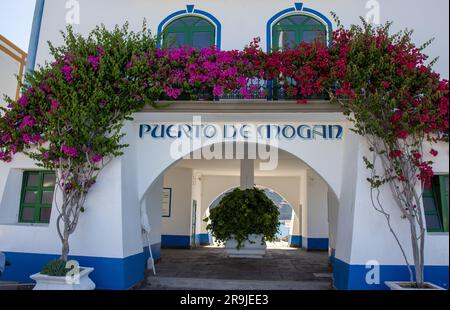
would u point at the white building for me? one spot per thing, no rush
(320, 170)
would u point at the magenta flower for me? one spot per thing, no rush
(70, 151)
(54, 105)
(218, 90)
(28, 121)
(94, 61)
(434, 152)
(67, 72)
(96, 158)
(23, 101)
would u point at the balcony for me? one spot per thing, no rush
(260, 97)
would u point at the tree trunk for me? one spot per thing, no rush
(65, 246)
(418, 263)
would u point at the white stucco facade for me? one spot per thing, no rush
(324, 180)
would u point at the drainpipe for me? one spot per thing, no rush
(35, 33)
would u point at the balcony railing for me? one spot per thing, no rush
(255, 90)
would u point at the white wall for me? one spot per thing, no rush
(367, 234)
(179, 222)
(99, 232)
(316, 211)
(244, 20)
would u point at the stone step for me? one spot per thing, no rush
(155, 283)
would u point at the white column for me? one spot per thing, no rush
(247, 174)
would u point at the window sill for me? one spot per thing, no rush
(438, 234)
(25, 225)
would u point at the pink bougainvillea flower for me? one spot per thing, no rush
(67, 72)
(434, 152)
(218, 90)
(97, 158)
(23, 101)
(70, 151)
(402, 134)
(396, 154)
(94, 61)
(28, 121)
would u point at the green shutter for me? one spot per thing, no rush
(435, 201)
(36, 197)
(191, 31)
(443, 187)
(296, 29)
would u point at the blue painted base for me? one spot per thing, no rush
(156, 251)
(317, 244)
(295, 241)
(175, 242)
(204, 239)
(109, 273)
(353, 277)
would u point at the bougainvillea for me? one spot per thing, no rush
(400, 105)
(71, 112)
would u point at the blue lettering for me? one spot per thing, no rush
(301, 132)
(289, 135)
(158, 135)
(143, 129)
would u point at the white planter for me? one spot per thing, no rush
(253, 249)
(45, 282)
(398, 286)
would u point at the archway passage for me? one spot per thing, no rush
(191, 186)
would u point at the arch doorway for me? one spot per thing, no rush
(192, 186)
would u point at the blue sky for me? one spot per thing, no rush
(16, 17)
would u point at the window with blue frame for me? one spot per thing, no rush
(290, 31)
(435, 201)
(189, 31)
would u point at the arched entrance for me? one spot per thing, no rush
(187, 188)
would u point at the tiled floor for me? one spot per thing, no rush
(279, 267)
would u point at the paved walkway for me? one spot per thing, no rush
(210, 268)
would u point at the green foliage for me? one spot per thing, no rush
(56, 268)
(242, 213)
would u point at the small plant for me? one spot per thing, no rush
(242, 213)
(56, 268)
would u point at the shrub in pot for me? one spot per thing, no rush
(244, 221)
(61, 275)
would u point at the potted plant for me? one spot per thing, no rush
(244, 220)
(60, 275)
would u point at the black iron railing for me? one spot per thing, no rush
(255, 90)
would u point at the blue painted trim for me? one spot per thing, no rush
(216, 22)
(298, 7)
(156, 251)
(204, 239)
(109, 273)
(315, 243)
(269, 26)
(35, 34)
(190, 9)
(295, 241)
(352, 277)
(175, 242)
(164, 21)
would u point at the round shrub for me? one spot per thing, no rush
(242, 213)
